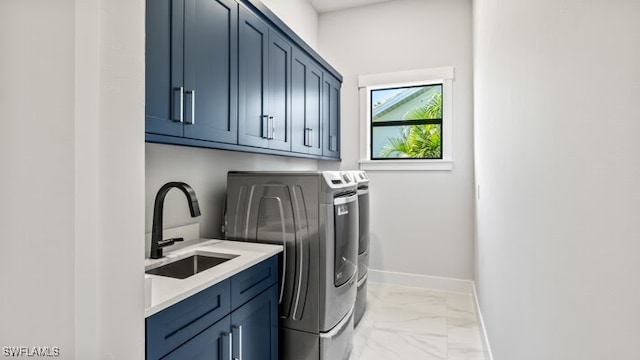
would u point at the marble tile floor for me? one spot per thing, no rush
(417, 324)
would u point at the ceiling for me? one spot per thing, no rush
(323, 6)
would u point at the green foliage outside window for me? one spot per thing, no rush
(418, 141)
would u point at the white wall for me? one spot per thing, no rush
(299, 15)
(557, 85)
(37, 174)
(72, 177)
(421, 222)
(120, 179)
(206, 169)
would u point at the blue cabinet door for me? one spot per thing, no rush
(314, 109)
(264, 85)
(253, 120)
(255, 327)
(164, 77)
(191, 69)
(306, 113)
(298, 109)
(331, 116)
(212, 344)
(279, 92)
(177, 324)
(210, 70)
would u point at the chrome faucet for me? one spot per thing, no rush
(157, 243)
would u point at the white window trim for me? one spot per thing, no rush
(441, 75)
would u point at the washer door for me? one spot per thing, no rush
(363, 209)
(345, 220)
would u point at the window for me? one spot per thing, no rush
(406, 120)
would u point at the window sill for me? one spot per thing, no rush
(406, 165)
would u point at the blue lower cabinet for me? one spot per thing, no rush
(211, 344)
(207, 326)
(255, 328)
(253, 281)
(177, 324)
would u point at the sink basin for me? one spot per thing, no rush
(189, 266)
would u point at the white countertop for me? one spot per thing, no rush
(166, 291)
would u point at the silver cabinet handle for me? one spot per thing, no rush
(230, 346)
(192, 93)
(180, 106)
(272, 128)
(265, 126)
(332, 147)
(308, 140)
(239, 328)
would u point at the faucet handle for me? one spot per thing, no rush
(157, 253)
(168, 242)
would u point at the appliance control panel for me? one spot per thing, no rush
(336, 180)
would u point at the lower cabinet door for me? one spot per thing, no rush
(254, 327)
(212, 344)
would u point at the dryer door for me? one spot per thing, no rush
(345, 217)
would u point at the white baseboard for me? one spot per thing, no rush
(421, 281)
(483, 332)
(436, 283)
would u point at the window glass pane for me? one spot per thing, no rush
(407, 141)
(406, 103)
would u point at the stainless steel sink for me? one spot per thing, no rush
(182, 269)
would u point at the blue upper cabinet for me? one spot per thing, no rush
(331, 116)
(162, 75)
(228, 74)
(306, 105)
(264, 85)
(211, 70)
(191, 69)
(279, 91)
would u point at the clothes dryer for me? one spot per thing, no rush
(314, 216)
(362, 181)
